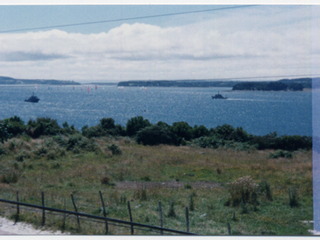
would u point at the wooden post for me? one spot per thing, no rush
(43, 211)
(104, 211)
(75, 207)
(229, 229)
(187, 218)
(18, 208)
(160, 217)
(64, 215)
(130, 217)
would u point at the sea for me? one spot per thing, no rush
(257, 112)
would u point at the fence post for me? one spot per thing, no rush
(104, 211)
(64, 215)
(75, 207)
(18, 208)
(160, 217)
(187, 218)
(43, 211)
(229, 229)
(130, 217)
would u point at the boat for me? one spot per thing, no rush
(33, 98)
(218, 96)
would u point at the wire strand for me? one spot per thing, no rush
(126, 19)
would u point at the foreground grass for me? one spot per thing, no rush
(46, 165)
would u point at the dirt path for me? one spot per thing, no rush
(8, 227)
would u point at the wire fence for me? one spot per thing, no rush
(94, 218)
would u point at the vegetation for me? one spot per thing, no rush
(268, 86)
(231, 179)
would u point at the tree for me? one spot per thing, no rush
(155, 135)
(181, 130)
(135, 124)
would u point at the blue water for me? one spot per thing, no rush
(258, 113)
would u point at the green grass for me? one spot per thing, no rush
(59, 172)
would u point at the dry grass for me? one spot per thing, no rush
(82, 173)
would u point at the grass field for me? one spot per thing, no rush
(199, 178)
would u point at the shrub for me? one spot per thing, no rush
(73, 141)
(155, 135)
(60, 140)
(14, 125)
(181, 130)
(200, 131)
(42, 126)
(90, 132)
(280, 153)
(115, 149)
(243, 189)
(4, 134)
(135, 124)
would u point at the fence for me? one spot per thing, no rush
(105, 219)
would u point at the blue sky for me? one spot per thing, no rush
(258, 41)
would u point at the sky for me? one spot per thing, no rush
(260, 42)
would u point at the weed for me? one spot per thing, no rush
(146, 178)
(187, 186)
(293, 197)
(105, 180)
(219, 171)
(244, 208)
(191, 203)
(10, 176)
(171, 212)
(264, 188)
(243, 189)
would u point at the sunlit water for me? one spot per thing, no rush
(258, 113)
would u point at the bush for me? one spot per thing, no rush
(155, 135)
(4, 134)
(42, 126)
(91, 132)
(181, 130)
(280, 153)
(115, 149)
(135, 124)
(243, 189)
(15, 126)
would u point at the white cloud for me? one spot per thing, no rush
(238, 45)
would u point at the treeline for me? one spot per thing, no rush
(9, 80)
(143, 132)
(177, 83)
(268, 86)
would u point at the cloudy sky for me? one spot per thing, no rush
(248, 42)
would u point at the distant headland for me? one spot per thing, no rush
(9, 80)
(297, 84)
